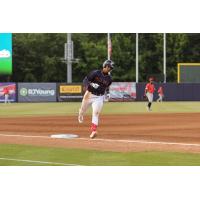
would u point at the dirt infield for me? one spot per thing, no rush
(122, 133)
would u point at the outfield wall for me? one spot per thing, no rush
(69, 92)
(173, 91)
(12, 90)
(119, 91)
(37, 92)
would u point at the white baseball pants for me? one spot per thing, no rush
(97, 104)
(6, 98)
(150, 97)
(160, 98)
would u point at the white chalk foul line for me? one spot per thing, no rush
(25, 136)
(37, 161)
(142, 142)
(110, 140)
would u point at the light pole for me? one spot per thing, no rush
(69, 56)
(109, 49)
(136, 60)
(164, 57)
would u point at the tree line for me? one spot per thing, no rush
(38, 57)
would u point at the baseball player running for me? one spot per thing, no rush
(149, 90)
(160, 94)
(97, 83)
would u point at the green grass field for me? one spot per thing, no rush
(23, 155)
(39, 109)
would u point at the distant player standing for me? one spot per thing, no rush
(160, 94)
(6, 95)
(96, 83)
(149, 90)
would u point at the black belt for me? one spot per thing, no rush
(97, 94)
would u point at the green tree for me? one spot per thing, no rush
(123, 46)
(39, 56)
(150, 55)
(176, 45)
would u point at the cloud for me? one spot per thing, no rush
(4, 53)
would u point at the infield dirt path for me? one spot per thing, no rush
(122, 133)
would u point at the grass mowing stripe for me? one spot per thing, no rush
(71, 108)
(36, 161)
(94, 158)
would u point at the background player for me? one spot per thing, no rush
(96, 84)
(160, 94)
(149, 90)
(6, 95)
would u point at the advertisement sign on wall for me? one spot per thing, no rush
(37, 92)
(70, 92)
(11, 87)
(123, 91)
(5, 53)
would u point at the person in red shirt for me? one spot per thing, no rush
(6, 94)
(160, 94)
(149, 90)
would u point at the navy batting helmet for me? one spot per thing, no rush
(109, 63)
